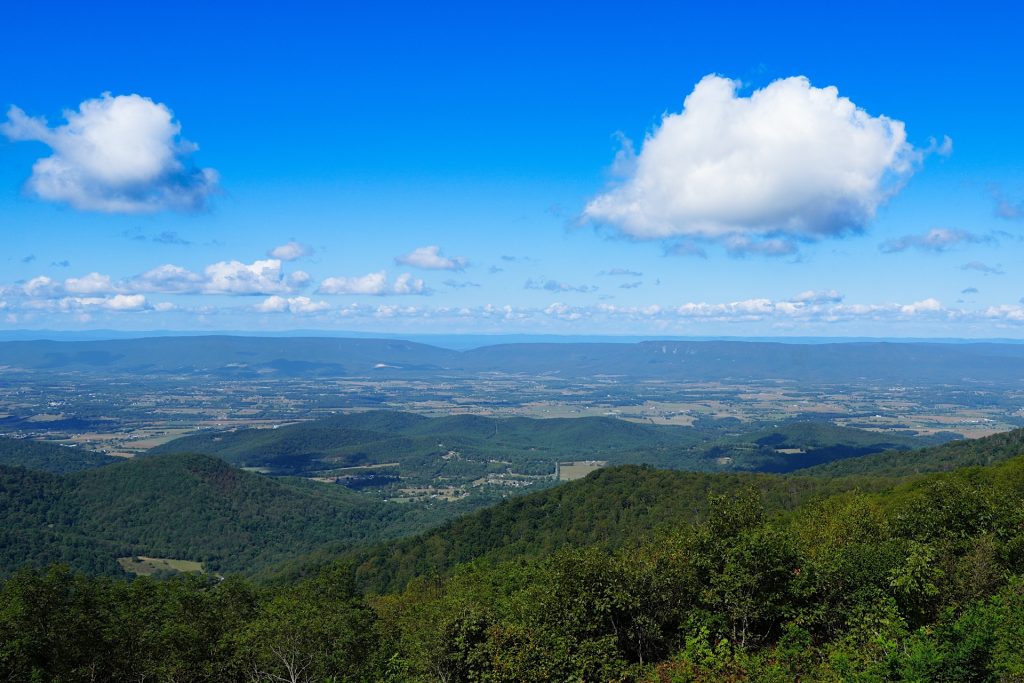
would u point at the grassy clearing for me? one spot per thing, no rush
(140, 565)
(567, 471)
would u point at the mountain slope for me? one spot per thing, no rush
(610, 508)
(184, 506)
(48, 457)
(988, 450)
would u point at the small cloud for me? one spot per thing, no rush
(935, 240)
(516, 259)
(28, 259)
(165, 237)
(825, 296)
(125, 302)
(61, 264)
(741, 245)
(925, 306)
(93, 283)
(942, 149)
(291, 251)
(430, 258)
(969, 290)
(983, 268)
(630, 285)
(495, 269)
(118, 154)
(456, 284)
(373, 284)
(300, 305)
(556, 286)
(170, 237)
(623, 272)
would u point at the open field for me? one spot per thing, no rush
(141, 565)
(568, 471)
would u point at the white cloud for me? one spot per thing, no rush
(125, 302)
(824, 296)
(235, 277)
(936, 239)
(925, 306)
(556, 286)
(301, 305)
(789, 162)
(93, 283)
(170, 279)
(224, 277)
(291, 251)
(373, 284)
(407, 284)
(115, 154)
(42, 286)
(71, 304)
(1007, 312)
(430, 258)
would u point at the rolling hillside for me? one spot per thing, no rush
(49, 457)
(989, 450)
(463, 448)
(610, 508)
(183, 506)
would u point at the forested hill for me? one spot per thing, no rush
(924, 582)
(48, 457)
(610, 508)
(614, 507)
(183, 506)
(988, 450)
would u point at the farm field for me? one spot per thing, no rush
(569, 471)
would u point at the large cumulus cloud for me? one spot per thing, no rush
(791, 162)
(118, 154)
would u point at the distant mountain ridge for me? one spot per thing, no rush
(244, 357)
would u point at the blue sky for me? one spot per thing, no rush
(453, 169)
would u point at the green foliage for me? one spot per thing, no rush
(990, 450)
(767, 580)
(183, 506)
(611, 508)
(50, 457)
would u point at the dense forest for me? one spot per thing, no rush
(924, 581)
(185, 506)
(612, 508)
(50, 457)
